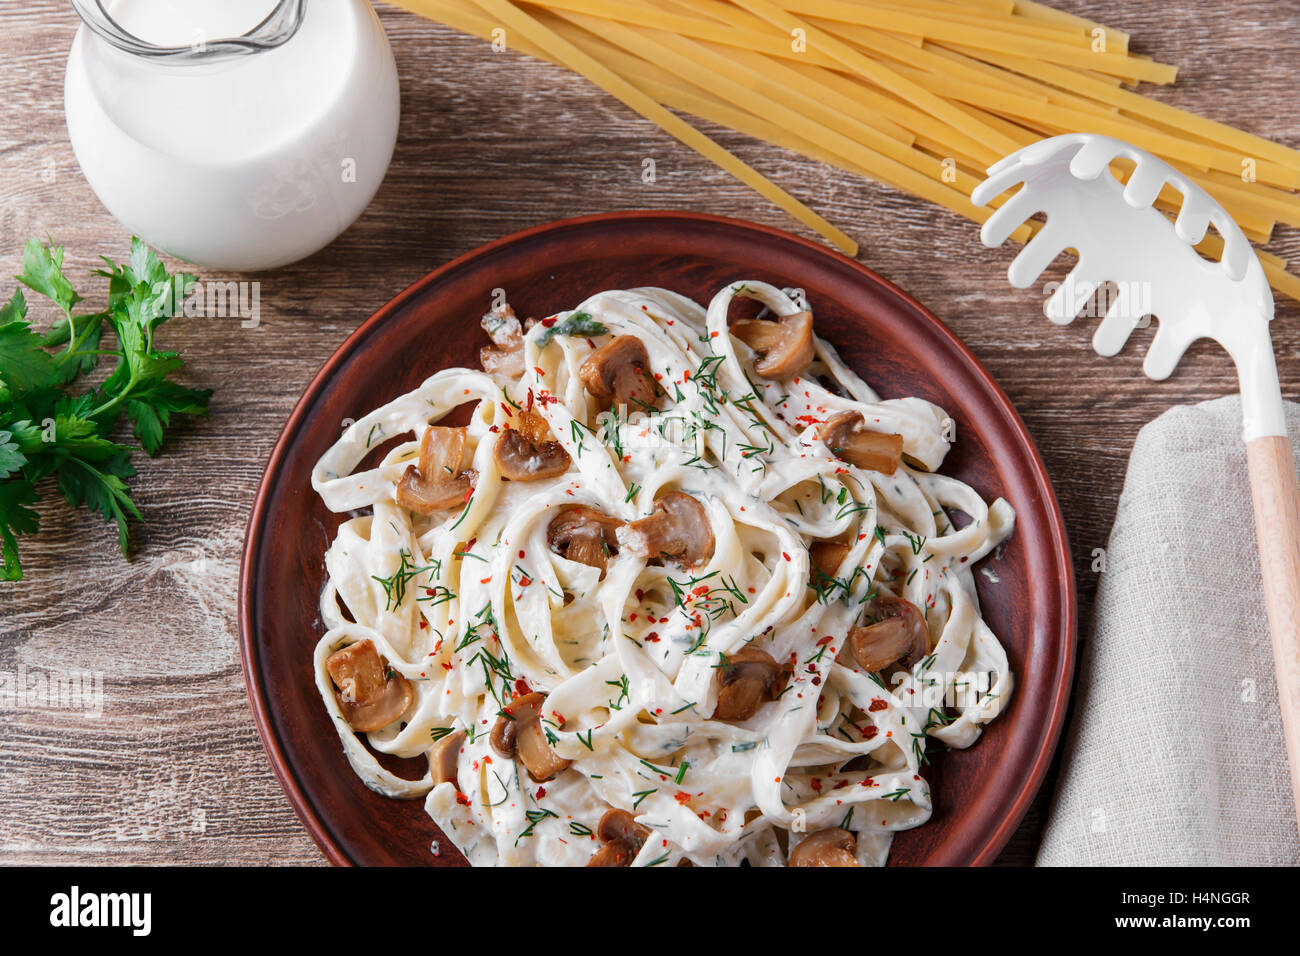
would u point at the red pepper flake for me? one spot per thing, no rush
(423, 624)
(869, 733)
(682, 797)
(868, 781)
(816, 785)
(522, 688)
(506, 408)
(878, 703)
(784, 555)
(462, 799)
(446, 666)
(640, 595)
(521, 552)
(653, 637)
(632, 616)
(547, 323)
(486, 580)
(541, 792)
(825, 640)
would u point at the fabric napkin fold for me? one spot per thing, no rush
(1174, 754)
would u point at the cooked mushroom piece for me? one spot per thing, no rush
(747, 677)
(618, 371)
(370, 693)
(444, 756)
(584, 535)
(899, 636)
(621, 839)
(437, 482)
(827, 556)
(849, 439)
(677, 529)
(784, 347)
(518, 732)
(526, 450)
(505, 356)
(829, 847)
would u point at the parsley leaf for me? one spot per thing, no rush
(11, 457)
(24, 364)
(15, 519)
(577, 324)
(48, 427)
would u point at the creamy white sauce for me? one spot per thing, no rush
(628, 670)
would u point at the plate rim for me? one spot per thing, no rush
(308, 814)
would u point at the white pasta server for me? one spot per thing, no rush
(1121, 237)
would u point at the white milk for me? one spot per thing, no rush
(245, 164)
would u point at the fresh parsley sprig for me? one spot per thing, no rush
(53, 427)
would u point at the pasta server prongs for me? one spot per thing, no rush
(1122, 238)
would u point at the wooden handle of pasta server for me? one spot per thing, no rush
(1277, 527)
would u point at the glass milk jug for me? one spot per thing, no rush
(236, 134)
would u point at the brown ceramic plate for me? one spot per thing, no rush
(900, 348)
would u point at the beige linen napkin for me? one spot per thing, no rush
(1174, 754)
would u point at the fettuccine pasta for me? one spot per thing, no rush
(683, 589)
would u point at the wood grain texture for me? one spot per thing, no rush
(173, 772)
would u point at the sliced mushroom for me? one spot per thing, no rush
(584, 535)
(505, 356)
(784, 347)
(829, 847)
(621, 839)
(748, 678)
(849, 439)
(437, 482)
(827, 556)
(518, 733)
(370, 693)
(444, 756)
(618, 371)
(900, 636)
(677, 529)
(526, 451)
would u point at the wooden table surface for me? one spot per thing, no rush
(173, 772)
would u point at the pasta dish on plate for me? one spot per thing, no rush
(682, 591)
